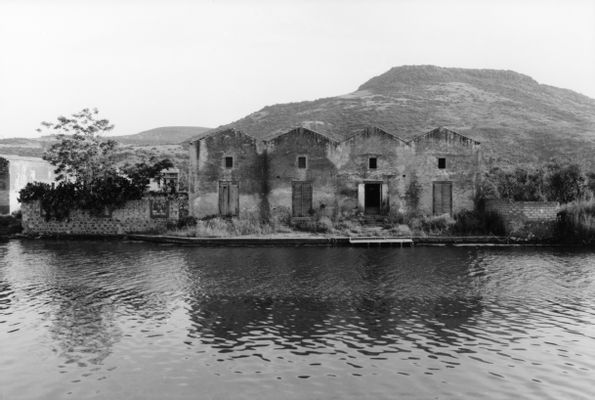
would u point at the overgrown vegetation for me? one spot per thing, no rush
(561, 181)
(88, 176)
(577, 222)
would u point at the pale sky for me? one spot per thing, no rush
(154, 63)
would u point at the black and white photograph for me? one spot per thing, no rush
(297, 199)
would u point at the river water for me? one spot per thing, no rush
(124, 320)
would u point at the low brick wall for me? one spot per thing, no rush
(518, 215)
(151, 214)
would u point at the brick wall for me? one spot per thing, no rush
(518, 214)
(151, 214)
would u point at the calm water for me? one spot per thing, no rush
(138, 321)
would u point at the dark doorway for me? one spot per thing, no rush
(372, 198)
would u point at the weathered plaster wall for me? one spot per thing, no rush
(135, 217)
(4, 186)
(282, 169)
(393, 157)
(337, 170)
(207, 169)
(22, 170)
(462, 167)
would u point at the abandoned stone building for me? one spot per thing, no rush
(303, 173)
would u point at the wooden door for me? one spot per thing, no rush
(301, 199)
(229, 199)
(442, 195)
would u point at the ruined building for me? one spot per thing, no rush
(304, 173)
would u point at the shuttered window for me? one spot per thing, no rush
(301, 199)
(442, 197)
(229, 199)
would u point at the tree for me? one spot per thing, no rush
(80, 155)
(88, 174)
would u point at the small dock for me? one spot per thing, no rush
(381, 241)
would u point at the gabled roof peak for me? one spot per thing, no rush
(217, 131)
(306, 127)
(374, 129)
(441, 130)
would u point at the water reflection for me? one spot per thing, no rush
(494, 319)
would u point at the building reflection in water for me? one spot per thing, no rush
(374, 296)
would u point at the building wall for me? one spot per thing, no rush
(4, 186)
(23, 170)
(207, 169)
(393, 159)
(463, 166)
(282, 169)
(337, 170)
(151, 214)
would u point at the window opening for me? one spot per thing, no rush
(441, 163)
(228, 162)
(302, 162)
(373, 163)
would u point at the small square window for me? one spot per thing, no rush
(373, 163)
(302, 162)
(228, 162)
(441, 163)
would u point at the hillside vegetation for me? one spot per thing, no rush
(517, 119)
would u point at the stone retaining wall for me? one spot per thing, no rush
(518, 215)
(151, 214)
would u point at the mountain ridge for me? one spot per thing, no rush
(516, 118)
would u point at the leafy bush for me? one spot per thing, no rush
(555, 181)
(106, 192)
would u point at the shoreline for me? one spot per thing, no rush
(313, 240)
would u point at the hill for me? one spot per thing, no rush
(161, 136)
(516, 118)
(160, 139)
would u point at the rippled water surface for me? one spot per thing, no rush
(111, 320)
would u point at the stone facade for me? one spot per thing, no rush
(303, 172)
(227, 163)
(150, 214)
(518, 214)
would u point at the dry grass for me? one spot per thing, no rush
(577, 221)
